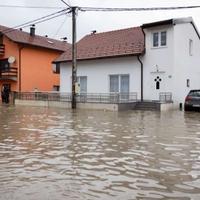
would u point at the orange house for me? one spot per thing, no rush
(26, 60)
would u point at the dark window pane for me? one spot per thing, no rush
(124, 84)
(163, 38)
(83, 84)
(155, 39)
(114, 83)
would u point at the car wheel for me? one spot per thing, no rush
(186, 108)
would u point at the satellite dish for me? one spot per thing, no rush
(11, 59)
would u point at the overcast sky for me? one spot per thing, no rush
(88, 21)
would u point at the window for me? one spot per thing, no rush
(160, 39)
(190, 47)
(82, 81)
(1, 38)
(119, 83)
(188, 82)
(114, 83)
(4, 64)
(163, 38)
(56, 68)
(56, 88)
(155, 39)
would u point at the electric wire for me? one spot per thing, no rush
(38, 20)
(60, 27)
(66, 3)
(135, 9)
(69, 10)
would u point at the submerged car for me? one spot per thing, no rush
(192, 101)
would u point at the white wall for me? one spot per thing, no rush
(186, 66)
(161, 58)
(98, 71)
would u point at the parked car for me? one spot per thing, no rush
(192, 101)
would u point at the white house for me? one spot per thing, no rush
(159, 57)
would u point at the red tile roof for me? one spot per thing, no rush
(122, 42)
(39, 41)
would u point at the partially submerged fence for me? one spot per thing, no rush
(165, 97)
(111, 98)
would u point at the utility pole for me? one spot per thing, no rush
(74, 57)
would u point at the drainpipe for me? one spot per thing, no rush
(20, 61)
(141, 63)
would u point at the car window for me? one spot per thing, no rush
(195, 93)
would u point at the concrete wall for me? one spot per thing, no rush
(174, 63)
(90, 106)
(158, 62)
(186, 66)
(98, 72)
(67, 105)
(36, 69)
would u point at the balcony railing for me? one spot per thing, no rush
(8, 74)
(2, 49)
(81, 98)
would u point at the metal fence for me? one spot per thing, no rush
(81, 98)
(165, 97)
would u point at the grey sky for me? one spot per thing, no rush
(88, 21)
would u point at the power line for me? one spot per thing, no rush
(59, 28)
(135, 9)
(35, 7)
(38, 20)
(66, 3)
(69, 10)
(44, 20)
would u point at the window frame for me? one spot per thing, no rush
(160, 45)
(79, 82)
(119, 82)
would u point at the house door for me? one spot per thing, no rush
(157, 86)
(8, 86)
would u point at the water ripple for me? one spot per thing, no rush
(52, 154)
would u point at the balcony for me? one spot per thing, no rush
(9, 74)
(2, 49)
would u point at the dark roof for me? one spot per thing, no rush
(124, 42)
(39, 41)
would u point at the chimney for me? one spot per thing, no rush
(32, 30)
(93, 32)
(64, 39)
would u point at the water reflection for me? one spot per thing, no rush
(59, 154)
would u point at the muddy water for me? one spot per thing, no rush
(54, 154)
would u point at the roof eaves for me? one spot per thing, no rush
(100, 57)
(159, 23)
(41, 46)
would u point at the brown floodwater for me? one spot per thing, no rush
(55, 154)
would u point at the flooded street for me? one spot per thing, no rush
(57, 154)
